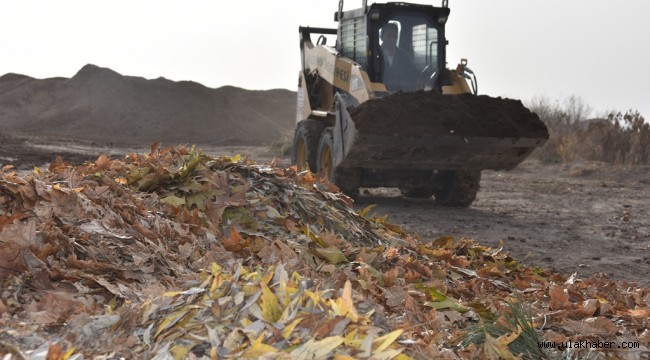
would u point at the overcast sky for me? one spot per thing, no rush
(595, 49)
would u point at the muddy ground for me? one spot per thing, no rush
(586, 217)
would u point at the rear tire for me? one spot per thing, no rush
(304, 151)
(459, 188)
(346, 180)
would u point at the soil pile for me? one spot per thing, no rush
(102, 106)
(418, 113)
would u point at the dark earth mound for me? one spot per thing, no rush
(100, 105)
(417, 113)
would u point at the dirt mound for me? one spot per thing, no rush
(101, 105)
(434, 113)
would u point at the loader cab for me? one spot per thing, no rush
(420, 38)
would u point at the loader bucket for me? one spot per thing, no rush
(431, 131)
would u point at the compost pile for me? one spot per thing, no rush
(174, 254)
(431, 113)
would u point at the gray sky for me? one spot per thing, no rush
(595, 49)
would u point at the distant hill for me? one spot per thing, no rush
(98, 104)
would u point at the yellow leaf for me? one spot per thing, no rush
(441, 301)
(345, 304)
(244, 322)
(332, 254)
(216, 284)
(343, 357)
(233, 159)
(215, 268)
(313, 237)
(258, 349)
(496, 349)
(403, 357)
(173, 200)
(286, 332)
(366, 345)
(385, 341)
(363, 213)
(171, 320)
(270, 306)
(352, 341)
(387, 355)
(69, 353)
(179, 352)
(316, 350)
(602, 300)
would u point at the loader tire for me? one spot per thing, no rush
(458, 189)
(346, 180)
(305, 144)
(419, 193)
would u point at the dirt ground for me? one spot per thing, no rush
(586, 218)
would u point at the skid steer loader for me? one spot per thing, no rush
(379, 108)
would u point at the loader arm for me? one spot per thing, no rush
(329, 66)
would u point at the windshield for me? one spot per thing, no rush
(409, 52)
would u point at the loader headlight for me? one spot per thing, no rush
(442, 19)
(374, 15)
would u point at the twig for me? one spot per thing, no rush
(8, 348)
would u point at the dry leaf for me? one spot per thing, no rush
(559, 298)
(234, 242)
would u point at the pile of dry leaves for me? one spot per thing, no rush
(174, 254)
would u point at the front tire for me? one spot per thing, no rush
(346, 179)
(304, 151)
(458, 189)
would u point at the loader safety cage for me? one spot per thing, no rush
(421, 34)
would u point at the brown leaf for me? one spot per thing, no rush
(5, 220)
(598, 326)
(395, 296)
(559, 298)
(55, 307)
(588, 307)
(390, 276)
(103, 162)
(11, 261)
(73, 262)
(644, 338)
(411, 276)
(234, 242)
(3, 307)
(522, 283)
(55, 352)
(326, 329)
(331, 239)
(291, 226)
(640, 313)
